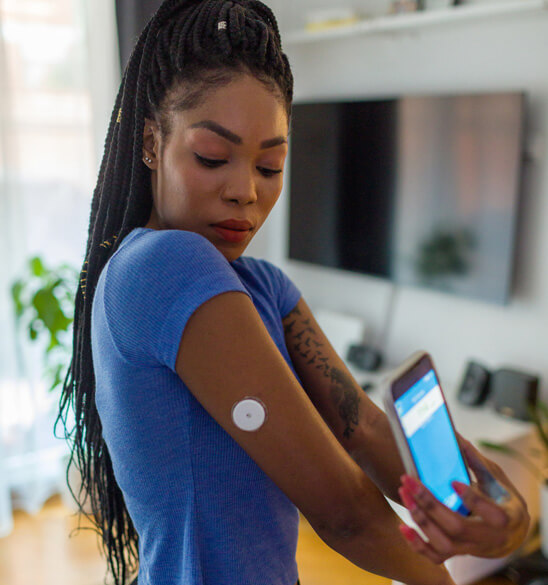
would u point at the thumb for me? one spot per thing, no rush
(487, 473)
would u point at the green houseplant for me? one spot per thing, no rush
(536, 461)
(43, 300)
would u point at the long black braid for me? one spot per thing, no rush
(187, 48)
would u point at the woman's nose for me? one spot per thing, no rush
(241, 188)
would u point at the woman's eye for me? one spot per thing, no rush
(269, 172)
(210, 163)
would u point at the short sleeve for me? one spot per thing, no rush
(281, 287)
(152, 287)
(288, 293)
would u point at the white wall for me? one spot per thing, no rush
(493, 54)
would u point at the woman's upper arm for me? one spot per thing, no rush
(226, 355)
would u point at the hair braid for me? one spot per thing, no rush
(182, 49)
(211, 18)
(199, 31)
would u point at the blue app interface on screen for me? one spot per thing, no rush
(434, 448)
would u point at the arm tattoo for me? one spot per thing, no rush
(302, 341)
(344, 395)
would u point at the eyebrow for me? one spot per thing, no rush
(234, 138)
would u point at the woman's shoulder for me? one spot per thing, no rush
(154, 252)
(146, 243)
(152, 284)
(257, 266)
(266, 276)
(156, 259)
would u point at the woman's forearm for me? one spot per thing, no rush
(375, 544)
(374, 449)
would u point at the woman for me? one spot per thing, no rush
(209, 405)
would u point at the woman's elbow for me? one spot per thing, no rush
(348, 516)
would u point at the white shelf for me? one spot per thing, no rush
(417, 20)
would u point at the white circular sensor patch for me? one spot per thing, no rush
(249, 414)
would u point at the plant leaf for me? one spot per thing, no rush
(535, 417)
(511, 452)
(56, 377)
(54, 342)
(47, 307)
(543, 409)
(45, 299)
(500, 447)
(16, 290)
(37, 266)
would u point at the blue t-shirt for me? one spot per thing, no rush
(206, 514)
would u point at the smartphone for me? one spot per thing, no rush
(424, 432)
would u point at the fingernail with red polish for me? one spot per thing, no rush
(411, 484)
(460, 488)
(407, 500)
(408, 533)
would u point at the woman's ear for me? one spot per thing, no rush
(151, 143)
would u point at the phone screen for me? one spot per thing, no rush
(427, 427)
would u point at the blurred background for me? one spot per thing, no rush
(58, 76)
(49, 119)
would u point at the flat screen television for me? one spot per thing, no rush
(422, 190)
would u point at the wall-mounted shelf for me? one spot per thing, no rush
(418, 20)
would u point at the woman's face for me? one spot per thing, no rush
(220, 170)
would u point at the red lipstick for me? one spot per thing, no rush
(233, 230)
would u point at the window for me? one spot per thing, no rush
(48, 171)
(47, 142)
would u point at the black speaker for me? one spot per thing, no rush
(364, 357)
(513, 392)
(474, 387)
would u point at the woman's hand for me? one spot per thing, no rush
(497, 523)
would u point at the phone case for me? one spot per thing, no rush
(401, 442)
(390, 409)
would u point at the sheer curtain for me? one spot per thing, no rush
(59, 72)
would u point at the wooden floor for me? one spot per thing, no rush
(321, 565)
(40, 552)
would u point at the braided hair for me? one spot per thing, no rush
(189, 48)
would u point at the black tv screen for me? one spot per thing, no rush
(422, 190)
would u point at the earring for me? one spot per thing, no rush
(148, 159)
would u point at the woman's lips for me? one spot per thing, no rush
(233, 231)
